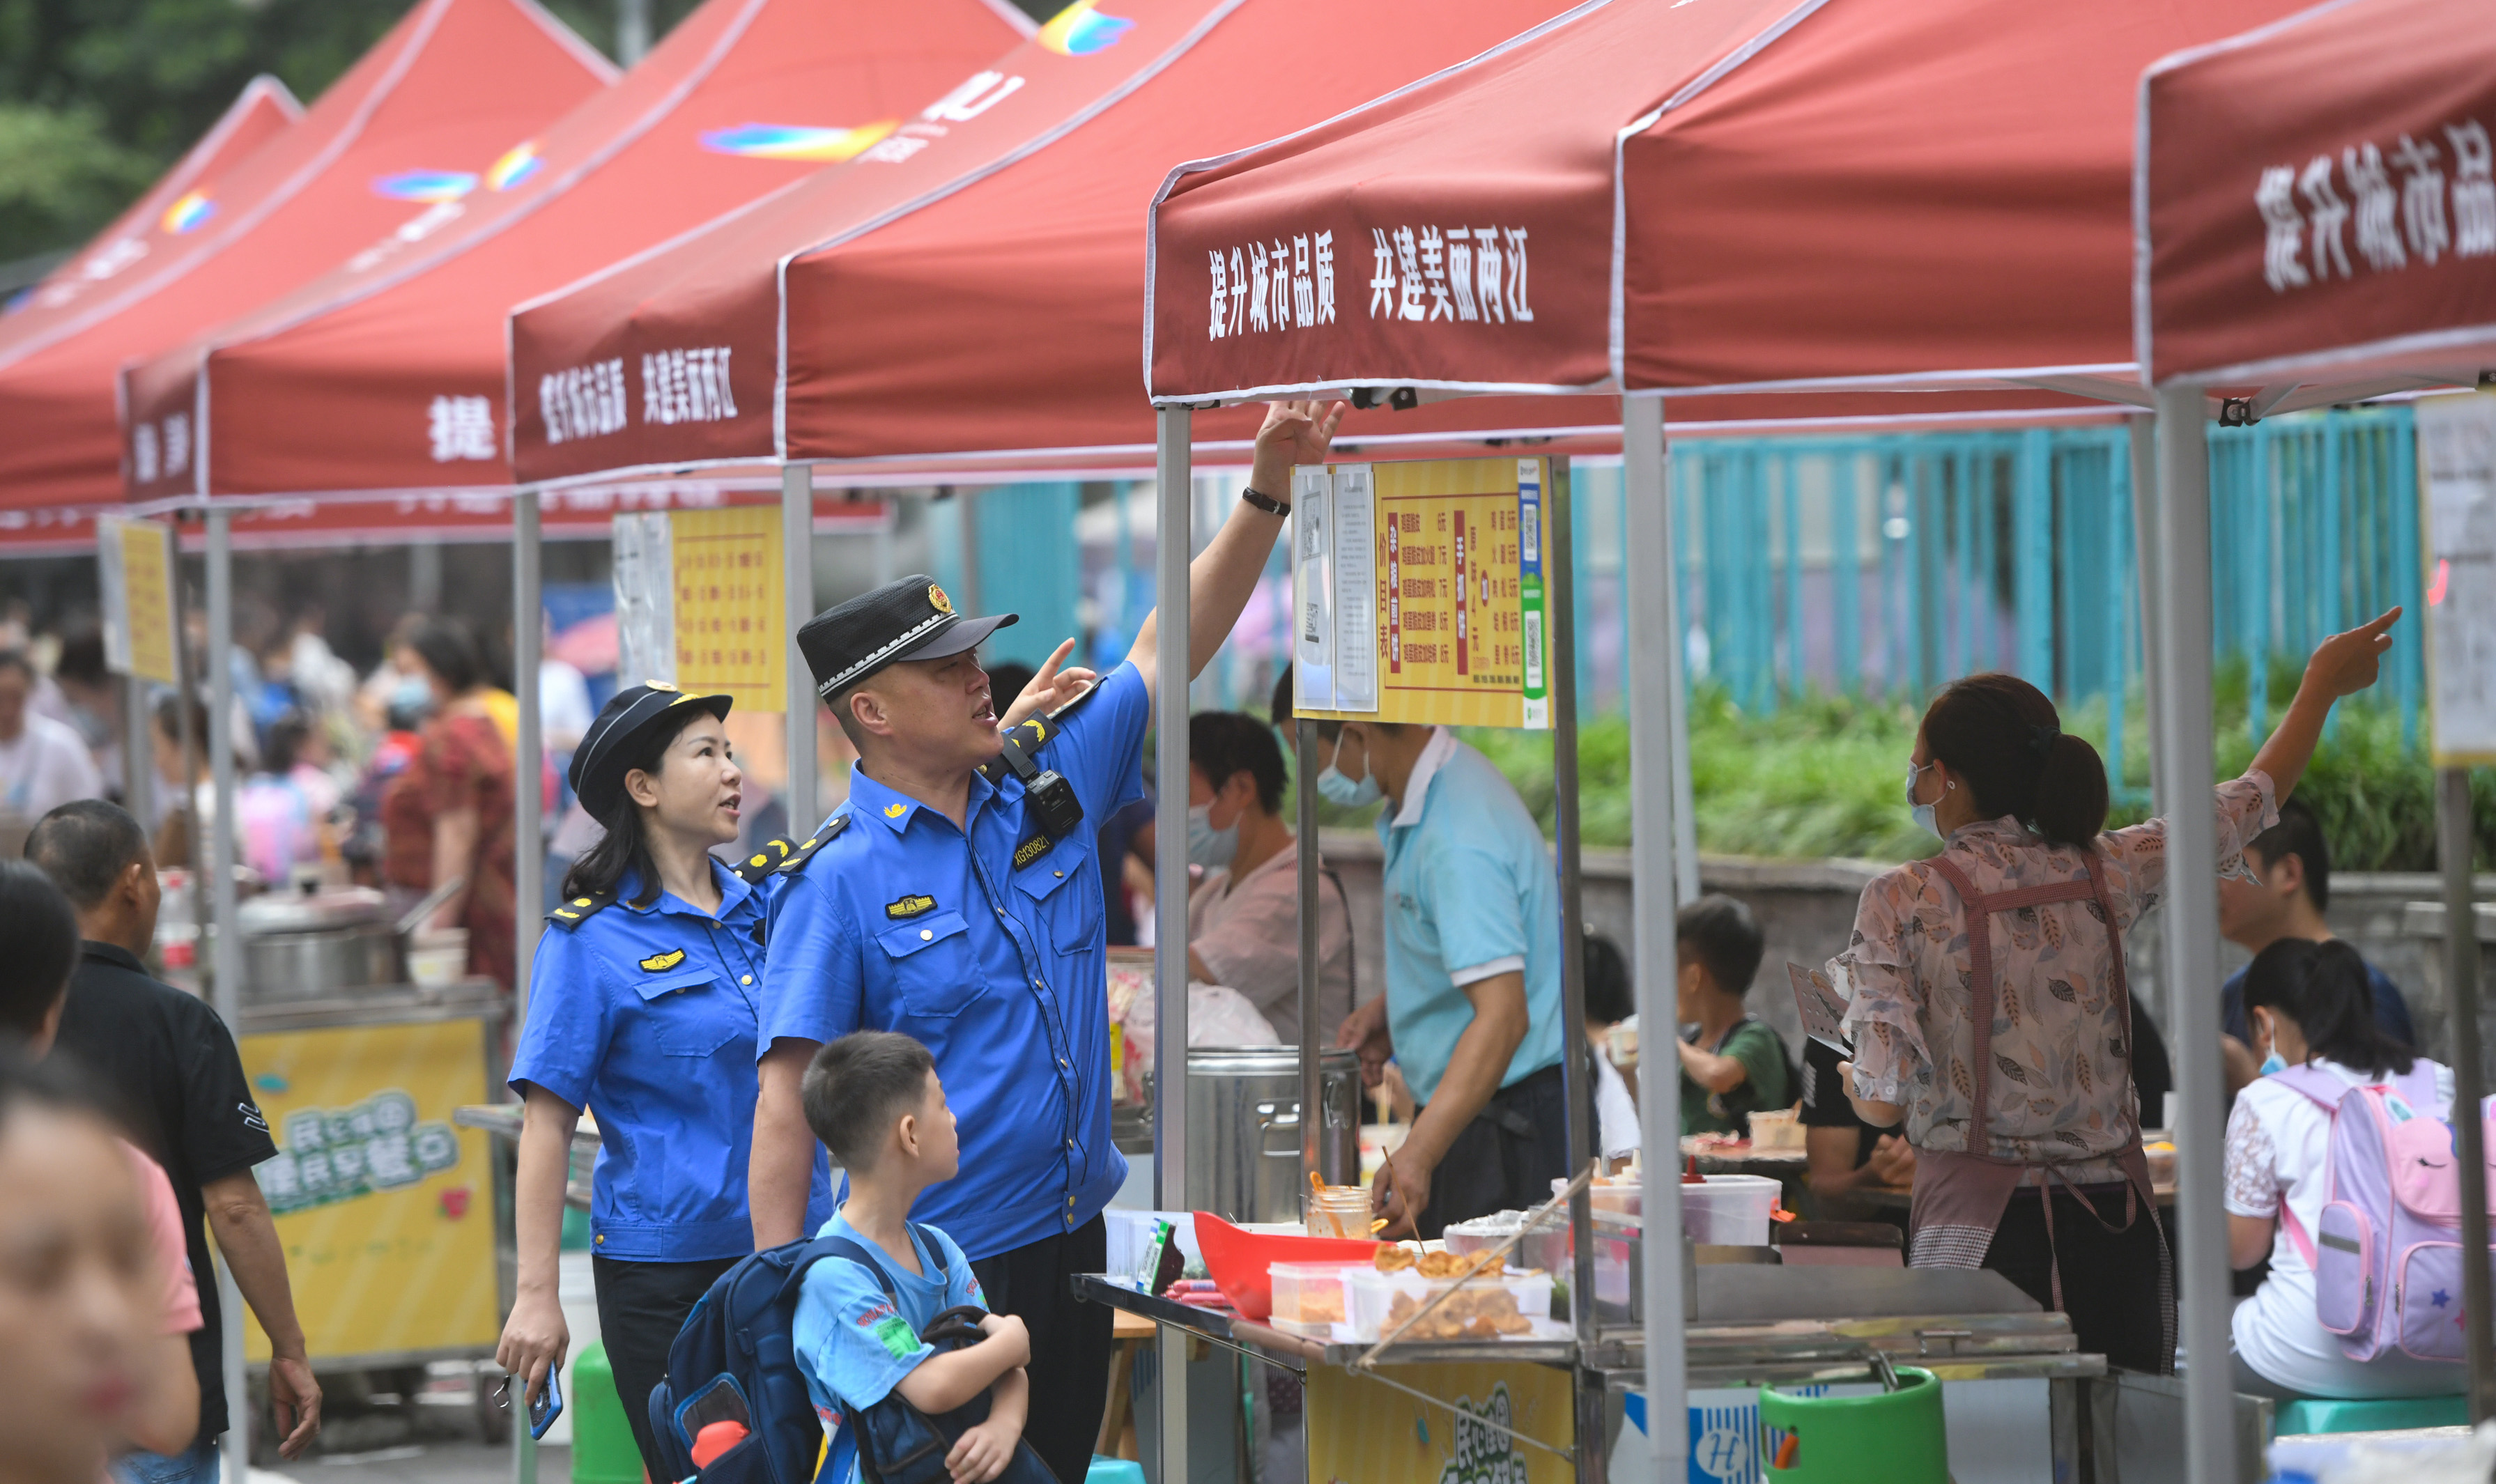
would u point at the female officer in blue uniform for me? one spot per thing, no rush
(641, 1008)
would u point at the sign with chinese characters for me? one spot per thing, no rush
(2457, 470)
(1418, 592)
(698, 602)
(729, 614)
(386, 1210)
(1360, 1430)
(135, 569)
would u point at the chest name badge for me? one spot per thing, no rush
(1032, 850)
(909, 906)
(661, 963)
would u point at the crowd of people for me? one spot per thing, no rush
(885, 1036)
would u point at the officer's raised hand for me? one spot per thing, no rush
(1224, 575)
(1050, 689)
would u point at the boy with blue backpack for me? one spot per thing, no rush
(866, 1353)
(873, 1098)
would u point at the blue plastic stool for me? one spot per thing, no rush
(1114, 1470)
(2385, 1414)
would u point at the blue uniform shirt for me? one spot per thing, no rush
(853, 1346)
(646, 1017)
(1470, 893)
(906, 923)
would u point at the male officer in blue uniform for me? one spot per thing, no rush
(959, 902)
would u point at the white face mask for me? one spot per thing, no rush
(1922, 813)
(1208, 846)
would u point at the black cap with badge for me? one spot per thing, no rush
(909, 618)
(598, 766)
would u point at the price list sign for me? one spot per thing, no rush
(728, 608)
(135, 573)
(1418, 592)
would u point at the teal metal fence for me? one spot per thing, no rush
(1889, 565)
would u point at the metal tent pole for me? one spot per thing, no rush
(528, 647)
(1172, 550)
(1656, 749)
(2452, 837)
(225, 963)
(2142, 445)
(797, 597)
(1559, 584)
(1304, 738)
(137, 752)
(528, 804)
(2183, 744)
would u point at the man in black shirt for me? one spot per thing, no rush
(172, 1066)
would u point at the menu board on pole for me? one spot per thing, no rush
(135, 569)
(1418, 592)
(697, 603)
(728, 608)
(2458, 473)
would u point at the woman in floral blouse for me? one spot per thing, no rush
(2020, 806)
(450, 813)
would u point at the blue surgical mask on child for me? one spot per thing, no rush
(1346, 792)
(2273, 1062)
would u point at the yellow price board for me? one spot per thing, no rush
(385, 1210)
(135, 574)
(728, 610)
(1419, 592)
(1358, 1429)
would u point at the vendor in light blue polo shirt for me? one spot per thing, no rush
(956, 897)
(1472, 1011)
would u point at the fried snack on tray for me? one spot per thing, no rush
(1392, 1258)
(1467, 1313)
(1395, 1259)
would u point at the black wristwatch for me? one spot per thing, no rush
(1264, 501)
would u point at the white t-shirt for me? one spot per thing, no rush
(2279, 1146)
(1616, 1115)
(45, 766)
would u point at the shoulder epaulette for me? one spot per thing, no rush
(767, 857)
(579, 910)
(805, 851)
(1031, 733)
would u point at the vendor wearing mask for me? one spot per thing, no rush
(1990, 1012)
(1243, 918)
(1472, 1013)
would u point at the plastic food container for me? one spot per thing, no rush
(1616, 1194)
(1238, 1258)
(1308, 1296)
(1729, 1210)
(1488, 1308)
(1780, 1129)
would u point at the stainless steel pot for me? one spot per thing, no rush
(315, 946)
(1243, 1129)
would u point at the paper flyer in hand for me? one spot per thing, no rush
(1824, 1011)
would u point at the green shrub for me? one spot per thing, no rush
(1824, 775)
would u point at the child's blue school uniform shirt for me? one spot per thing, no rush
(853, 1346)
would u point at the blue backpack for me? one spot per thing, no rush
(736, 1360)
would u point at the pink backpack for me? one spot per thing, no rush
(2388, 1271)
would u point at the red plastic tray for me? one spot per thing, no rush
(1237, 1260)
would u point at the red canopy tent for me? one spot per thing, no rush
(262, 110)
(964, 297)
(1663, 200)
(2317, 203)
(454, 82)
(387, 373)
(2316, 210)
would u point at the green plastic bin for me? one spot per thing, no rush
(1887, 1438)
(2383, 1415)
(602, 1450)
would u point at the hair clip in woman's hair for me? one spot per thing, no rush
(2042, 739)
